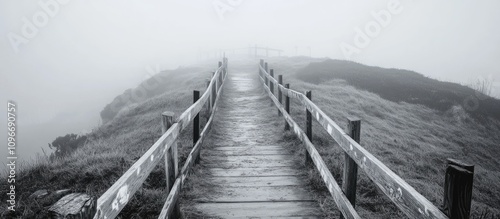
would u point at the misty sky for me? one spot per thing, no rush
(90, 51)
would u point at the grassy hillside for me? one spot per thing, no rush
(403, 86)
(113, 148)
(413, 140)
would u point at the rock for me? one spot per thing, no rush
(39, 194)
(74, 205)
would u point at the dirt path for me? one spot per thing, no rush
(246, 173)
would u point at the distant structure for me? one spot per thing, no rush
(255, 51)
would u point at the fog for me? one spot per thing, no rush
(82, 54)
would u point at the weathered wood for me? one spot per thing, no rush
(209, 102)
(266, 171)
(246, 151)
(171, 203)
(261, 65)
(256, 181)
(214, 91)
(458, 189)
(350, 174)
(258, 194)
(171, 159)
(308, 128)
(266, 73)
(75, 205)
(339, 198)
(287, 107)
(260, 210)
(412, 203)
(280, 96)
(271, 85)
(250, 164)
(247, 161)
(196, 123)
(257, 147)
(117, 196)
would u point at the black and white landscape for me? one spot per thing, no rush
(250, 109)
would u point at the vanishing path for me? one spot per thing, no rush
(246, 173)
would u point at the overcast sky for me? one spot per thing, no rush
(84, 53)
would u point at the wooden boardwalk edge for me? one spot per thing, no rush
(173, 196)
(338, 196)
(412, 203)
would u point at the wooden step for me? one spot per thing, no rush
(268, 171)
(259, 210)
(246, 181)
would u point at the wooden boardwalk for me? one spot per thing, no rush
(254, 176)
(247, 172)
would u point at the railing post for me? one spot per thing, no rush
(196, 125)
(308, 127)
(171, 158)
(209, 102)
(287, 107)
(350, 174)
(261, 64)
(214, 90)
(265, 77)
(280, 95)
(221, 71)
(271, 84)
(458, 189)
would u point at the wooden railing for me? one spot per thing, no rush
(458, 179)
(117, 196)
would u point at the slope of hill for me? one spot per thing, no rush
(113, 147)
(414, 140)
(403, 86)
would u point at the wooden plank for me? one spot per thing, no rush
(248, 158)
(412, 203)
(249, 181)
(244, 152)
(259, 210)
(235, 165)
(257, 147)
(258, 194)
(270, 171)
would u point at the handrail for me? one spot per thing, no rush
(117, 196)
(169, 205)
(412, 203)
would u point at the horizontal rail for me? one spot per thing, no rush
(338, 196)
(412, 203)
(117, 196)
(173, 196)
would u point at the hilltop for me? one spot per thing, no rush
(399, 85)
